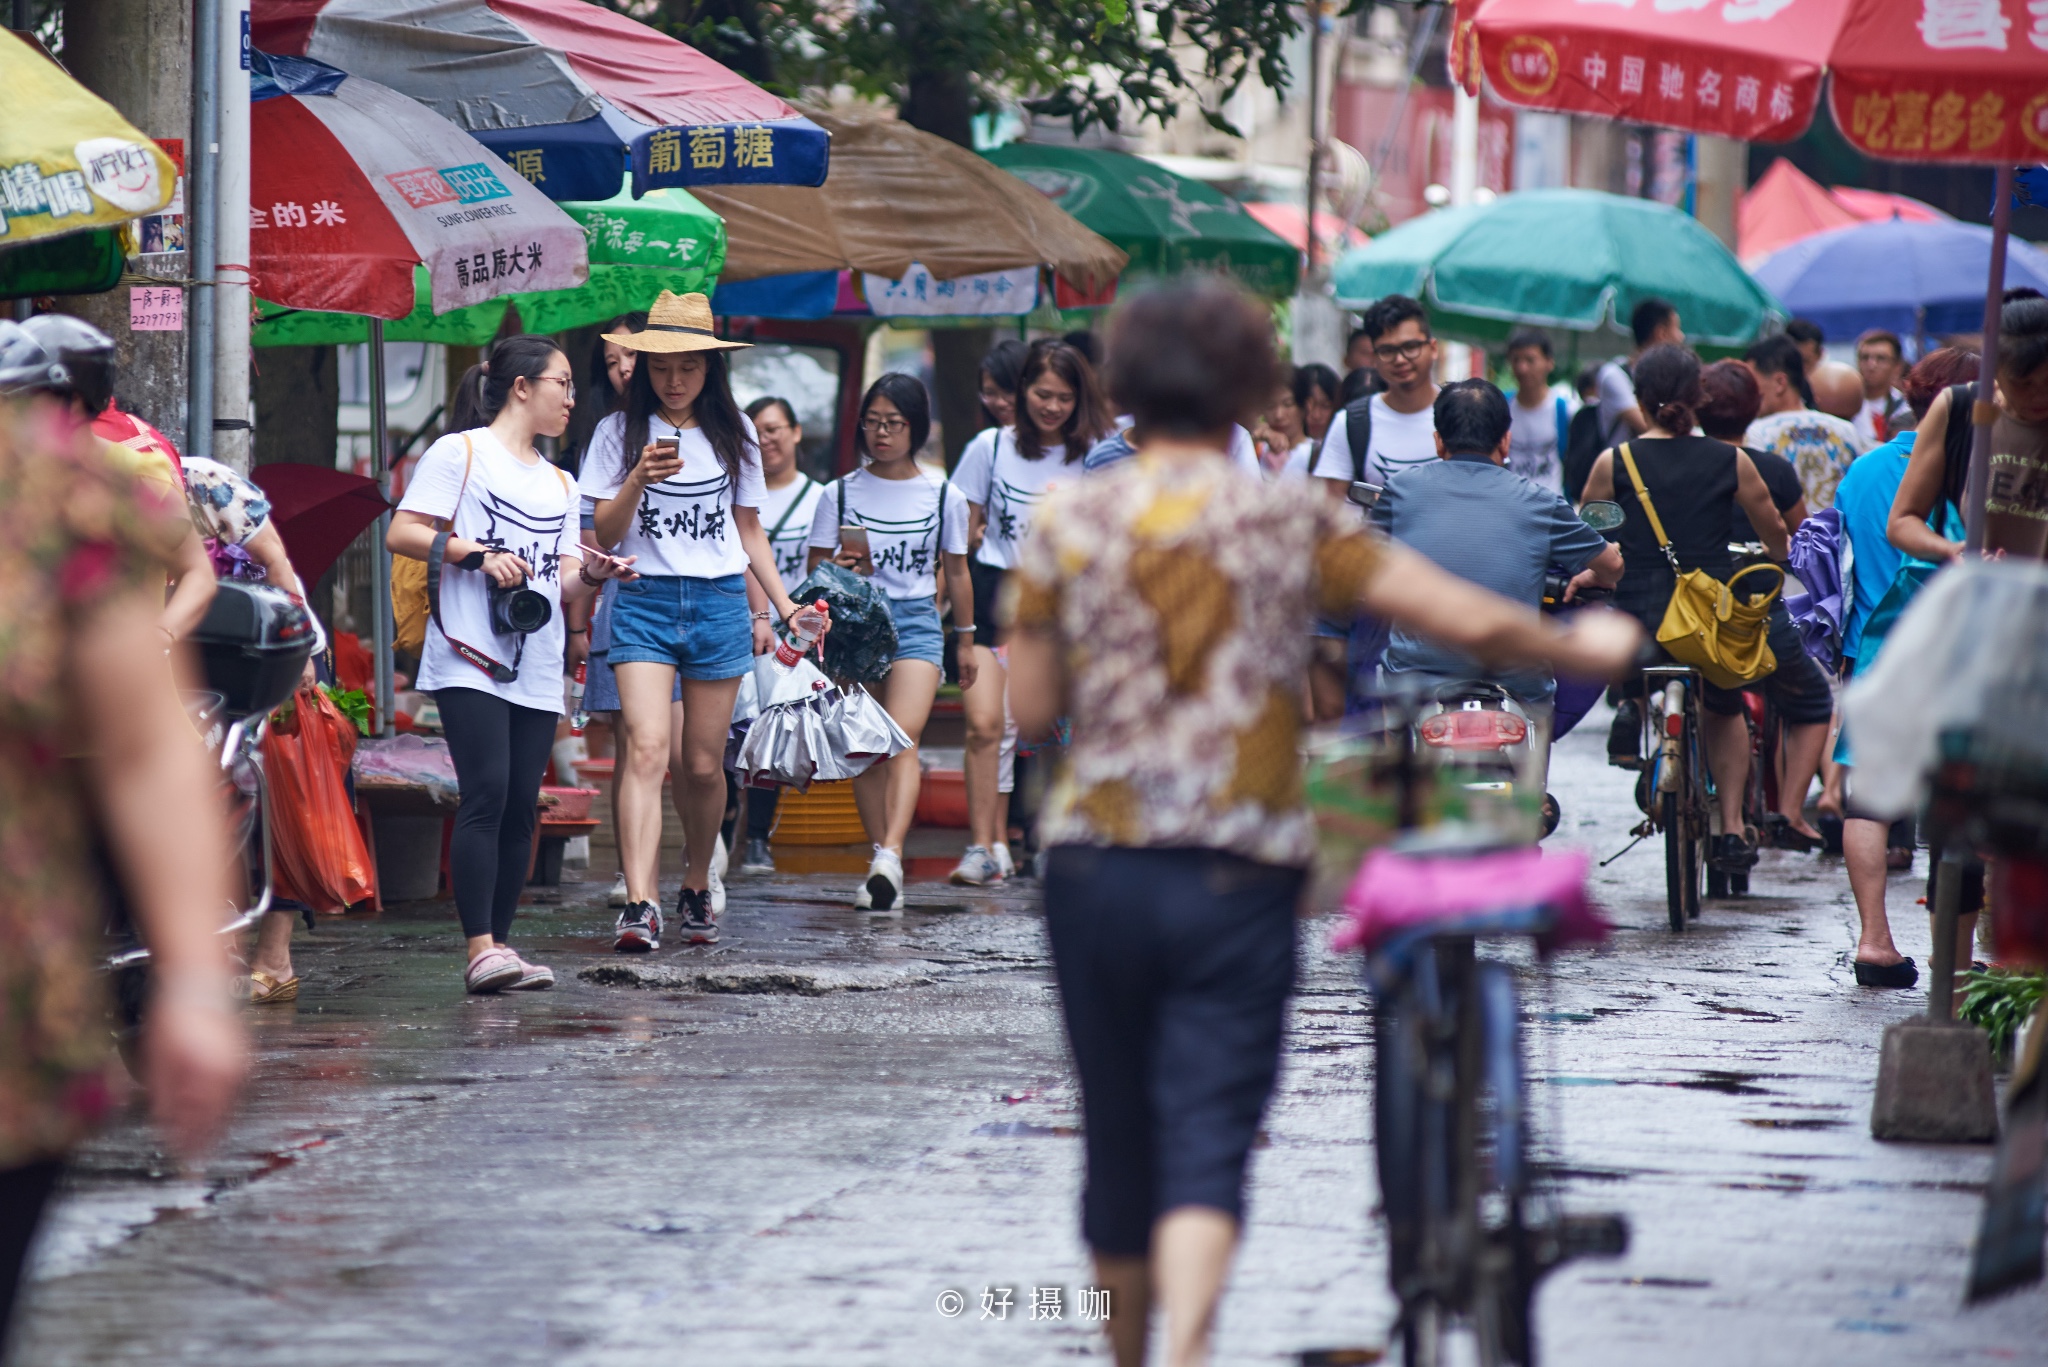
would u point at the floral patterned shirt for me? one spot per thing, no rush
(1179, 592)
(76, 529)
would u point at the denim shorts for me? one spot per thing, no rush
(918, 634)
(601, 686)
(700, 626)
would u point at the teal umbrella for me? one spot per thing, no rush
(1574, 261)
(665, 240)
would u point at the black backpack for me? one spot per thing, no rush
(1582, 446)
(1358, 434)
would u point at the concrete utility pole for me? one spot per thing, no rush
(137, 56)
(231, 416)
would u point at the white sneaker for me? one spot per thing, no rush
(1006, 867)
(977, 867)
(882, 893)
(617, 896)
(720, 857)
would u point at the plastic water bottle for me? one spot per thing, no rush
(807, 625)
(578, 718)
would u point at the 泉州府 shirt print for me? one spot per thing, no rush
(682, 526)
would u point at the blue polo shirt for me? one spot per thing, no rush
(1864, 498)
(1484, 523)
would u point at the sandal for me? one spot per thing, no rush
(1901, 974)
(264, 990)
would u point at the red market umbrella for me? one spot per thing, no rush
(351, 186)
(317, 512)
(1956, 81)
(1786, 205)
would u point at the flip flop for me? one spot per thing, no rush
(265, 990)
(1901, 974)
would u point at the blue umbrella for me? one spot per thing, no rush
(1914, 279)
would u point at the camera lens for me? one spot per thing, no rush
(519, 611)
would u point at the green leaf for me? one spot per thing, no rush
(351, 703)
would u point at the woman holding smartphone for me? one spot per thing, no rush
(504, 518)
(1059, 413)
(897, 523)
(676, 478)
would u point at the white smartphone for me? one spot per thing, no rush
(853, 539)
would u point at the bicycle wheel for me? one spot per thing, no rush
(1506, 1285)
(1400, 1063)
(1678, 856)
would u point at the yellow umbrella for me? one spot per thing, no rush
(68, 160)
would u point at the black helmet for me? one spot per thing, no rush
(54, 353)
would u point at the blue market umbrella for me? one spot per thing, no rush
(569, 94)
(1909, 278)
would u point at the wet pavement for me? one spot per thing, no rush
(788, 1149)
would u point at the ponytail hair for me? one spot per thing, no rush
(1668, 388)
(487, 385)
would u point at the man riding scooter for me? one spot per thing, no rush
(1481, 521)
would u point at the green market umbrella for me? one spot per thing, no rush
(77, 263)
(638, 248)
(1576, 261)
(1167, 223)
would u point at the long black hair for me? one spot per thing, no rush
(907, 392)
(487, 385)
(718, 414)
(595, 398)
(1004, 366)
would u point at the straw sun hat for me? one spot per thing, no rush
(677, 322)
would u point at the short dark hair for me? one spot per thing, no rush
(1890, 339)
(1191, 358)
(907, 392)
(1650, 315)
(1937, 371)
(1530, 337)
(1361, 383)
(767, 401)
(1087, 343)
(1472, 417)
(1586, 379)
(1779, 355)
(1392, 311)
(1315, 378)
(1004, 363)
(2023, 334)
(1732, 399)
(1353, 340)
(1806, 330)
(1668, 387)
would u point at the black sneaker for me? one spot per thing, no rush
(1732, 854)
(757, 859)
(1625, 737)
(693, 909)
(639, 929)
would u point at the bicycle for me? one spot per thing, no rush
(1674, 787)
(1472, 1214)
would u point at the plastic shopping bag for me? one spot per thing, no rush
(317, 850)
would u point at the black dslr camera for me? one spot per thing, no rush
(518, 611)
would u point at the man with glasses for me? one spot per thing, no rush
(1376, 437)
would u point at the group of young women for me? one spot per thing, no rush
(667, 562)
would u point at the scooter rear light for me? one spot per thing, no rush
(1674, 723)
(1475, 730)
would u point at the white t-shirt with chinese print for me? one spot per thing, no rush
(902, 518)
(683, 526)
(508, 505)
(786, 515)
(995, 474)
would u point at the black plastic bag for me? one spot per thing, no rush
(862, 643)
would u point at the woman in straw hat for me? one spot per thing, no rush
(676, 477)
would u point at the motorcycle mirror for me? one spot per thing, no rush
(1363, 494)
(1602, 516)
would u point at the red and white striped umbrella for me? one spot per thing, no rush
(353, 185)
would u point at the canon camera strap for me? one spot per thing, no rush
(498, 671)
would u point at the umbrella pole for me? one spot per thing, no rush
(380, 555)
(1984, 412)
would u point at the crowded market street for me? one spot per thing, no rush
(787, 1149)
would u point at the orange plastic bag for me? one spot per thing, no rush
(318, 852)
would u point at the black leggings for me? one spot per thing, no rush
(24, 1194)
(500, 751)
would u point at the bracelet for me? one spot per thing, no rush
(967, 630)
(579, 631)
(764, 616)
(583, 573)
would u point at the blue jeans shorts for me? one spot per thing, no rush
(700, 626)
(918, 634)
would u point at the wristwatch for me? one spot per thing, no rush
(473, 561)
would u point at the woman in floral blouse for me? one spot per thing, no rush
(1159, 606)
(90, 723)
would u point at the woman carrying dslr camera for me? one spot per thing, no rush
(497, 525)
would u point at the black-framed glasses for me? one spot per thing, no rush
(1403, 351)
(884, 427)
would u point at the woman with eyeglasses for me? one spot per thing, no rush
(677, 480)
(913, 523)
(501, 518)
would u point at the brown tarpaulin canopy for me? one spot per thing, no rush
(895, 195)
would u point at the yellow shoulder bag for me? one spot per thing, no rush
(1706, 625)
(409, 578)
